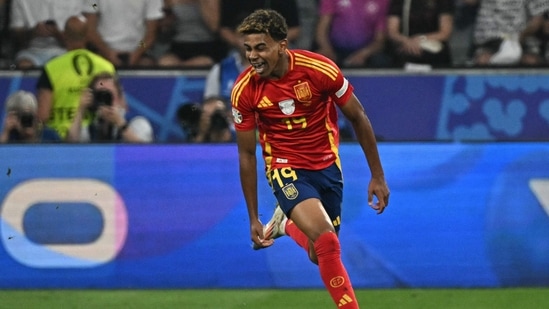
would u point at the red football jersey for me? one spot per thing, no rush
(296, 116)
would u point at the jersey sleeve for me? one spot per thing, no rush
(342, 91)
(43, 81)
(242, 104)
(337, 86)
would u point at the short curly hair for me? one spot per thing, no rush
(265, 21)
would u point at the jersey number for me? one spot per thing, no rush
(295, 123)
(279, 175)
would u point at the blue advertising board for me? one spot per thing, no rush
(450, 106)
(173, 216)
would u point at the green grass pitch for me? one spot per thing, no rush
(523, 298)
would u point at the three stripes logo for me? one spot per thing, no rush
(264, 103)
(345, 299)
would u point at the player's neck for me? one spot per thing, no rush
(281, 67)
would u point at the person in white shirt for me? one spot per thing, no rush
(123, 31)
(37, 27)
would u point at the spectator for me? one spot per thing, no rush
(536, 47)
(221, 77)
(501, 27)
(21, 124)
(419, 32)
(234, 11)
(308, 17)
(462, 34)
(195, 26)
(209, 122)
(63, 78)
(188, 117)
(105, 102)
(5, 40)
(37, 27)
(123, 31)
(364, 23)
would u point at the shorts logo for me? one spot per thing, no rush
(287, 106)
(303, 92)
(290, 191)
(237, 116)
(337, 281)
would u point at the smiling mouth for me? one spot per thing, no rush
(259, 67)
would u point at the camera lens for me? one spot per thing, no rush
(26, 120)
(101, 97)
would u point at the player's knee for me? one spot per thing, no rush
(327, 244)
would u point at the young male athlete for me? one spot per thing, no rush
(290, 97)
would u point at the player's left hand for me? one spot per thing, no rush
(378, 188)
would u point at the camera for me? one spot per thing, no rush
(218, 121)
(26, 120)
(100, 97)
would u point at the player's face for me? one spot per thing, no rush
(266, 55)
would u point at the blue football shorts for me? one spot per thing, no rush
(292, 186)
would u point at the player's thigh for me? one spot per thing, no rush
(311, 218)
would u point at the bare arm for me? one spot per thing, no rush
(393, 30)
(355, 113)
(75, 129)
(211, 14)
(293, 34)
(323, 37)
(229, 36)
(246, 141)
(151, 27)
(359, 57)
(532, 26)
(45, 98)
(97, 41)
(446, 27)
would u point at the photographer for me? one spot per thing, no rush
(206, 123)
(63, 78)
(103, 103)
(21, 124)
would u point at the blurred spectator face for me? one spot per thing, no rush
(21, 119)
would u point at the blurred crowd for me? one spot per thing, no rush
(353, 33)
(79, 45)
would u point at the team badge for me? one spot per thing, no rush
(290, 191)
(237, 116)
(303, 92)
(287, 106)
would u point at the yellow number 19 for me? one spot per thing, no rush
(291, 122)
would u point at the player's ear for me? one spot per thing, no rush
(282, 46)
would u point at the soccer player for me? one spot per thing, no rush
(290, 97)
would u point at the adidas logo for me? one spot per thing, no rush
(265, 102)
(345, 299)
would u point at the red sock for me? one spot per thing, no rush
(333, 272)
(297, 235)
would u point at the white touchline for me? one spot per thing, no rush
(540, 187)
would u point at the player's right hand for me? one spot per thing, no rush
(258, 241)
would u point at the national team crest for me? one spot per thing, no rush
(287, 106)
(303, 92)
(290, 191)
